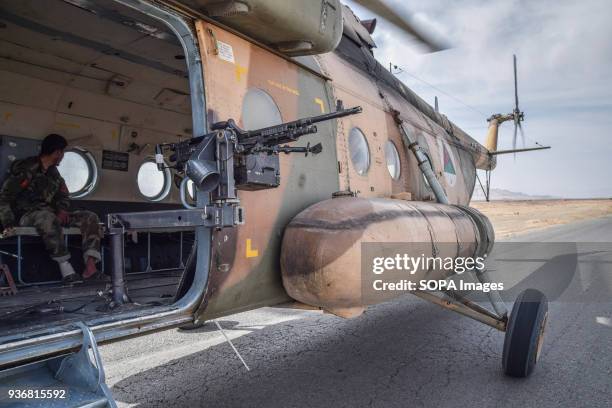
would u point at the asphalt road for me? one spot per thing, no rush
(403, 353)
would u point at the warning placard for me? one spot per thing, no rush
(226, 52)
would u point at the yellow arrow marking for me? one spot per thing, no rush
(250, 252)
(321, 104)
(239, 71)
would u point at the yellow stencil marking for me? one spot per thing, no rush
(7, 116)
(114, 134)
(284, 87)
(240, 71)
(68, 125)
(319, 102)
(250, 252)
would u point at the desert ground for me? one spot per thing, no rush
(512, 218)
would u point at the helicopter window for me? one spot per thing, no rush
(79, 170)
(259, 110)
(154, 185)
(359, 150)
(393, 160)
(191, 190)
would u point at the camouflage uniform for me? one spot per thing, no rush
(34, 197)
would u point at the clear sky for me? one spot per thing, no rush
(564, 50)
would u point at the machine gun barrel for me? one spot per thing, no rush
(287, 132)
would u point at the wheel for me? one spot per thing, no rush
(525, 333)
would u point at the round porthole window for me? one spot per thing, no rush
(79, 171)
(393, 160)
(359, 151)
(259, 110)
(154, 185)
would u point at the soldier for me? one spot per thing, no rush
(35, 195)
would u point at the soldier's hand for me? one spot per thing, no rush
(7, 232)
(63, 216)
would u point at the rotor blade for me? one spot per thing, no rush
(522, 133)
(515, 86)
(380, 8)
(514, 139)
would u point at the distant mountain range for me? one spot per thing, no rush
(501, 194)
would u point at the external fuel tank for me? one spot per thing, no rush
(322, 246)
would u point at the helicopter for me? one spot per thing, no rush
(240, 154)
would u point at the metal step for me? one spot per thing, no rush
(68, 381)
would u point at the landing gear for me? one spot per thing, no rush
(525, 333)
(524, 329)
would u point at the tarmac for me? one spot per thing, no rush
(405, 352)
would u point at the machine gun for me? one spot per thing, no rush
(254, 141)
(231, 158)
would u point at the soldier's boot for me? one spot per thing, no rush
(91, 272)
(68, 273)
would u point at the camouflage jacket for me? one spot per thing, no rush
(28, 188)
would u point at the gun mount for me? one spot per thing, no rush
(230, 158)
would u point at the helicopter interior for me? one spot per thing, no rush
(113, 82)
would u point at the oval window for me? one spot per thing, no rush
(359, 151)
(154, 185)
(259, 110)
(79, 171)
(393, 160)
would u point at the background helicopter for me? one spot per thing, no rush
(111, 76)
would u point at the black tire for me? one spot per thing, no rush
(525, 333)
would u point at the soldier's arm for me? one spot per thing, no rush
(15, 183)
(61, 201)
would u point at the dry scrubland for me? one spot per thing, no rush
(511, 218)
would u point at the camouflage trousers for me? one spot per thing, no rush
(49, 227)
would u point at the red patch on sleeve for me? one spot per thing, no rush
(25, 183)
(64, 189)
